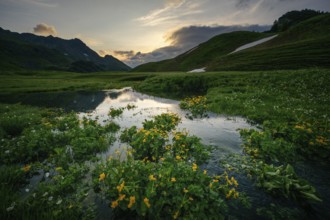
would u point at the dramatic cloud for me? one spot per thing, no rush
(184, 39)
(188, 37)
(45, 30)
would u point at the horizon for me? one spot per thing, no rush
(137, 33)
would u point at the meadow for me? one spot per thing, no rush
(162, 170)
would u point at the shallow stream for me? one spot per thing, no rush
(215, 130)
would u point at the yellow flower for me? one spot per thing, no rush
(131, 201)
(299, 127)
(121, 197)
(173, 179)
(234, 181)
(102, 176)
(161, 159)
(26, 168)
(191, 198)
(176, 214)
(210, 185)
(152, 178)
(121, 186)
(215, 181)
(204, 172)
(146, 201)
(114, 204)
(236, 195)
(178, 157)
(230, 193)
(185, 190)
(194, 167)
(228, 181)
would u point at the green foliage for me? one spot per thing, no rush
(14, 119)
(188, 147)
(152, 141)
(130, 106)
(64, 139)
(163, 122)
(274, 212)
(196, 105)
(142, 189)
(43, 165)
(148, 144)
(262, 145)
(292, 18)
(283, 181)
(59, 194)
(115, 112)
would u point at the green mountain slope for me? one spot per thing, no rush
(305, 44)
(29, 51)
(201, 55)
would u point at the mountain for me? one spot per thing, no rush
(201, 55)
(29, 51)
(304, 44)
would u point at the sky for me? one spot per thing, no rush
(140, 31)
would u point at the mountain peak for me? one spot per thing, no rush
(40, 52)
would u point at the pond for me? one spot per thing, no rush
(218, 131)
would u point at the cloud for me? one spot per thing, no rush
(243, 3)
(119, 54)
(172, 11)
(125, 53)
(185, 39)
(41, 3)
(44, 29)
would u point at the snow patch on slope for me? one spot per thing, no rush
(252, 44)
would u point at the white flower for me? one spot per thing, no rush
(27, 190)
(45, 194)
(59, 202)
(7, 151)
(50, 198)
(12, 206)
(47, 174)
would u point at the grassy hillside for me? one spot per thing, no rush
(201, 55)
(16, 54)
(304, 45)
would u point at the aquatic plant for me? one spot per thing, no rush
(144, 189)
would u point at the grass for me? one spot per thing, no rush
(46, 81)
(291, 108)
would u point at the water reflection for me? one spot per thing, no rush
(69, 101)
(215, 130)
